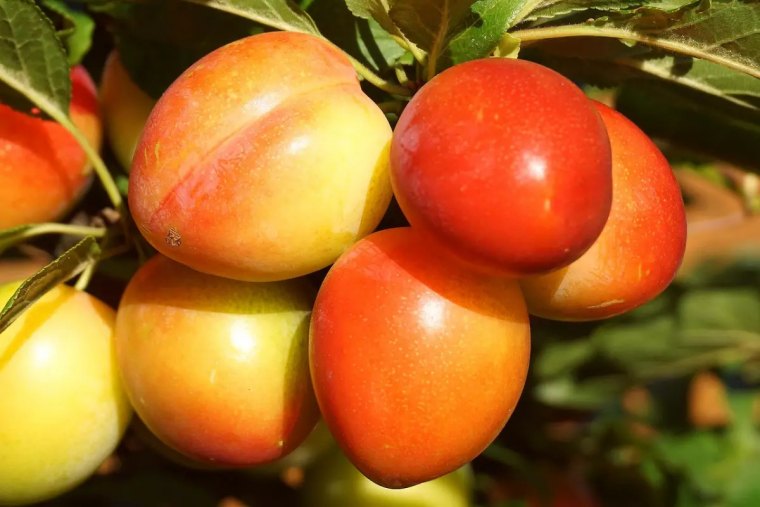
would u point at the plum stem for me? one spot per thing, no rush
(376, 80)
(405, 43)
(97, 163)
(673, 46)
(32, 230)
(84, 279)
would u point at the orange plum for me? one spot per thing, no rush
(125, 109)
(263, 161)
(641, 246)
(43, 170)
(217, 369)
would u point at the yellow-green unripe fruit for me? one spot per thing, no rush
(62, 407)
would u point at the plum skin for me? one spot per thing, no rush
(417, 362)
(640, 248)
(43, 170)
(506, 163)
(263, 161)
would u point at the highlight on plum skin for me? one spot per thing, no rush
(516, 179)
(194, 348)
(409, 351)
(264, 161)
(641, 247)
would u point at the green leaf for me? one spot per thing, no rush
(484, 30)
(76, 32)
(68, 265)
(721, 309)
(453, 31)
(33, 66)
(562, 358)
(556, 10)
(159, 40)
(378, 46)
(744, 488)
(364, 39)
(279, 14)
(629, 343)
(702, 76)
(388, 37)
(375, 9)
(12, 236)
(695, 453)
(430, 25)
(34, 71)
(722, 31)
(584, 395)
(607, 63)
(693, 120)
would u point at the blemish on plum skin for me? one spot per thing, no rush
(173, 237)
(605, 304)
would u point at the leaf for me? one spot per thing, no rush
(364, 39)
(377, 45)
(279, 14)
(733, 308)
(431, 25)
(701, 75)
(693, 120)
(454, 31)
(562, 358)
(77, 30)
(484, 30)
(724, 32)
(374, 9)
(744, 487)
(623, 342)
(33, 66)
(585, 395)
(159, 40)
(607, 63)
(694, 453)
(12, 236)
(553, 11)
(379, 12)
(68, 265)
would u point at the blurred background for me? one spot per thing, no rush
(659, 407)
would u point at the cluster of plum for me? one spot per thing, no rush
(265, 163)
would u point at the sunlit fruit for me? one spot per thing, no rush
(263, 161)
(217, 369)
(417, 362)
(639, 251)
(125, 109)
(506, 163)
(43, 170)
(62, 409)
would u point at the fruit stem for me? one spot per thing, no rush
(432, 64)
(84, 279)
(405, 43)
(401, 75)
(56, 228)
(673, 46)
(97, 163)
(376, 80)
